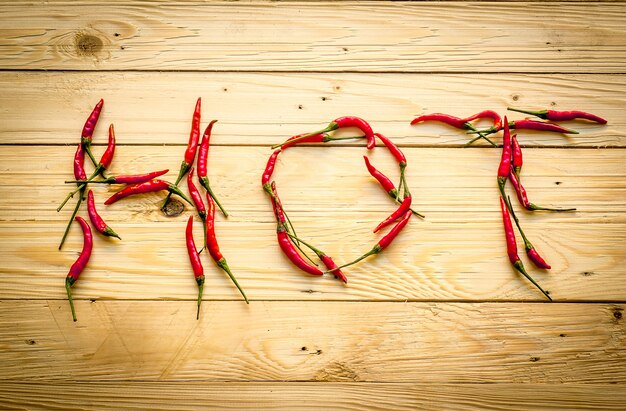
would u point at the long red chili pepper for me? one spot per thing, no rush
(497, 123)
(456, 122)
(125, 179)
(192, 146)
(269, 170)
(147, 187)
(505, 160)
(518, 158)
(522, 196)
(196, 196)
(203, 159)
(342, 122)
(315, 138)
(554, 115)
(400, 211)
(531, 125)
(96, 220)
(213, 246)
(196, 264)
(290, 251)
(397, 154)
(88, 129)
(531, 251)
(385, 183)
(511, 246)
(328, 261)
(383, 243)
(79, 265)
(79, 173)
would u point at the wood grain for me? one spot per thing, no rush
(314, 341)
(307, 396)
(265, 109)
(456, 253)
(372, 36)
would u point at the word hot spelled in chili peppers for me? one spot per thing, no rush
(510, 167)
(135, 184)
(292, 245)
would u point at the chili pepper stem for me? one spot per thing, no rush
(534, 207)
(527, 244)
(109, 232)
(530, 112)
(520, 267)
(315, 250)
(178, 192)
(224, 266)
(332, 126)
(373, 251)
(205, 183)
(184, 168)
(69, 224)
(68, 286)
(326, 139)
(82, 185)
(290, 227)
(87, 148)
(480, 135)
(397, 200)
(200, 290)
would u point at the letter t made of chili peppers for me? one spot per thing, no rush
(192, 147)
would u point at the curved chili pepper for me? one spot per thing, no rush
(528, 124)
(147, 187)
(505, 160)
(196, 264)
(192, 146)
(328, 261)
(456, 122)
(96, 220)
(400, 211)
(203, 158)
(290, 251)
(341, 122)
(397, 154)
(497, 120)
(511, 246)
(385, 183)
(383, 243)
(125, 179)
(195, 196)
(88, 129)
(213, 246)
(79, 265)
(554, 115)
(518, 159)
(315, 138)
(269, 170)
(79, 173)
(522, 196)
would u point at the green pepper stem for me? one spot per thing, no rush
(184, 167)
(315, 250)
(289, 226)
(534, 207)
(519, 266)
(527, 244)
(83, 184)
(332, 126)
(224, 266)
(532, 113)
(200, 290)
(87, 147)
(205, 183)
(373, 251)
(178, 192)
(69, 297)
(69, 224)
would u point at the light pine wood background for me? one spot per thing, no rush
(439, 321)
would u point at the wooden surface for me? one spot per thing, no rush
(439, 321)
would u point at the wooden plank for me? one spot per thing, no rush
(314, 341)
(324, 36)
(264, 109)
(457, 253)
(307, 396)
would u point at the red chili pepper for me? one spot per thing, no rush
(385, 183)
(147, 187)
(497, 120)
(192, 146)
(533, 125)
(518, 159)
(383, 243)
(79, 174)
(196, 196)
(328, 261)
(203, 157)
(290, 251)
(505, 160)
(96, 220)
(269, 170)
(214, 248)
(88, 129)
(522, 196)
(511, 246)
(107, 157)
(554, 115)
(312, 138)
(350, 121)
(400, 211)
(79, 265)
(397, 154)
(196, 264)
(125, 179)
(456, 122)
